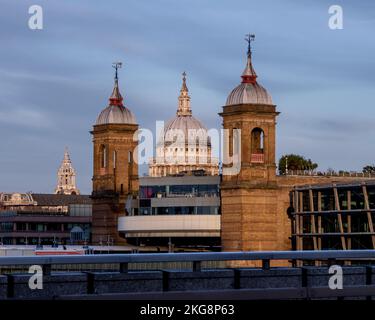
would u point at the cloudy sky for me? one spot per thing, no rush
(55, 81)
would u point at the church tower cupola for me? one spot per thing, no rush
(249, 91)
(66, 177)
(116, 112)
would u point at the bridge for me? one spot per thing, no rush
(191, 276)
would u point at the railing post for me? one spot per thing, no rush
(237, 279)
(10, 286)
(304, 282)
(368, 279)
(90, 283)
(197, 266)
(165, 280)
(265, 264)
(124, 267)
(331, 262)
(46, 269)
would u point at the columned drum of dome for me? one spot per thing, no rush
(184, 146)
(115, 176)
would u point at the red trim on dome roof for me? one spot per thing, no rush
(249, 79)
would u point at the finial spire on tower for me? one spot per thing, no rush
(184, 99)
(66, 154)
(249, 37)
(116, 65)
(184, 86)
(116, 98)
(249, 75)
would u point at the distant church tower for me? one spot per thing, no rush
(115, 176)
(249, 197)
(66, 177)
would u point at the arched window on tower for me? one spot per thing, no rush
(103, 156)
(257, 145)
(130, 169)
(114, 159)
(130, 157)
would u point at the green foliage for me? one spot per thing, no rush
(369, 169)
(295, 162)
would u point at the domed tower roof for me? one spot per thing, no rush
(249, 91)
(116, 113)
(184, 120)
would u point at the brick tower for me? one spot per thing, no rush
(249, 196)
(115, 177)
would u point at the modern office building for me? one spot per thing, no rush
(183, 211)
(32, 218)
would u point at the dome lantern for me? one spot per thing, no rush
(184, 99)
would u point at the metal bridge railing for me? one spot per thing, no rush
(123, 260)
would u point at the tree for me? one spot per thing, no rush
(369, 169)
(295, 162)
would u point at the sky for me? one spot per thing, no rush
(54, 82)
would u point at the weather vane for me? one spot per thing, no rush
(116, 65)
(249, 37)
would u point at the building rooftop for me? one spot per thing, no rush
(42, 199)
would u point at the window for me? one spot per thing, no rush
(130, 157)
(257, 146)
(103, 156)
(257, 140)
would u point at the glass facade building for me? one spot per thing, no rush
(180, 211)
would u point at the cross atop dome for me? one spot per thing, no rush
(184, 86)
(66, 154)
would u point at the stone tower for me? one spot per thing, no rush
(66, 177)
(115, 177)
(249, 195)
